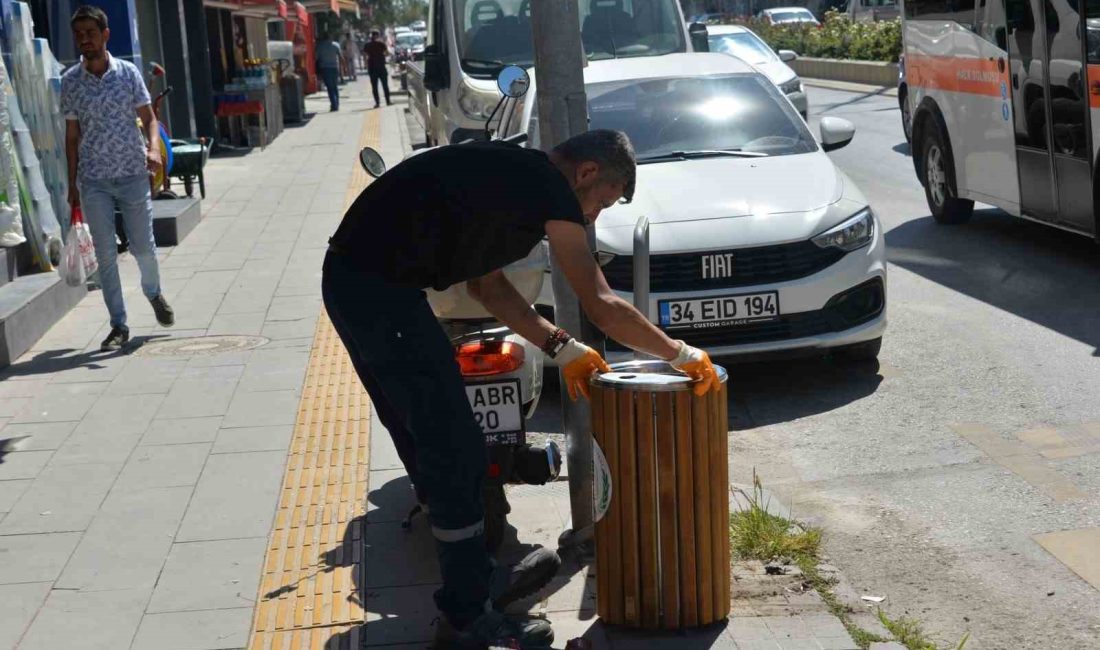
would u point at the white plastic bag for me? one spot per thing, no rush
(78, 261)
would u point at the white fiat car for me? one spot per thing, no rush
(758, 243)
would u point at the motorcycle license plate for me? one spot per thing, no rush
(498, 409)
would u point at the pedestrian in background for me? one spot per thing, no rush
(328, 68)
(351, 56)
(109, 165)
(376, 52)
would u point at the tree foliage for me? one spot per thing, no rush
(392, 13)
(837, 38)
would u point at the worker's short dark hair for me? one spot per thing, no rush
(90, 12)
(376, 33)
(611, 150)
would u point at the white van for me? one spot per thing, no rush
(469, 41)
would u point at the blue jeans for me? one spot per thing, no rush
(331, 79)
(98, 199)
(407, 365)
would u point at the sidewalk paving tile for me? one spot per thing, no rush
(290, 329)
(62, 499)
(758, 645)
(568, 626)
(10, 491)
(244, 439)
(201, 392)
(391, 496)
(383, 455)
(35, 558)
(214, 629)
(12, 406)
(395, 557)
(247, 323)
(74, 620)
(400, 615)
(837, 642)
(63, 403)
(93, 366)
(29, 388)
(712, 637)
(788, 627)
(145, 376)
(235, 497)
(824, 625)
(267, 408)
(159, 466)
(124, 548)
(23, 464)
(271, 370)
(182, 431)
(18, 605)
(220, 574)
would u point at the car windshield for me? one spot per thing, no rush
(674, 116)
(410, 40)
(743, 45)
(791, 16)
(494, 33)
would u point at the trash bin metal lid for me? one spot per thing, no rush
(656, 376)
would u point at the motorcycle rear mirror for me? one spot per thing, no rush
(372, 162)
(513, 81)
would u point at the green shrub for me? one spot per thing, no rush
(837, 38)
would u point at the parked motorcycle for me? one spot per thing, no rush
(502, 372)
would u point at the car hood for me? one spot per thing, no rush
(763, 200)
(777, 71)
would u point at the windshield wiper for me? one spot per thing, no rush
(701, 153)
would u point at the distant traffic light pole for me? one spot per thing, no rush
(563, 113)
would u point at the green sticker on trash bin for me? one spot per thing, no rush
(601, 488)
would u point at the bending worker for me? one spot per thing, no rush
(460, 214)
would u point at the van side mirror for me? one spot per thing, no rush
(437, 74)
(698, 34)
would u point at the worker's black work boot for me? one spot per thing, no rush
(495, 631)
(512, 583)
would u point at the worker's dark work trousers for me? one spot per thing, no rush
(380, 75)
(407, 365)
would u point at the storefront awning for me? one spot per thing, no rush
(350, 6)
(253, 8)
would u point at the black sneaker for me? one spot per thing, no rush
(524, 579)
(165, 316)
(118, 337)
(495, 631)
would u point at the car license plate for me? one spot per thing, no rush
(498, 409)
(719, 311)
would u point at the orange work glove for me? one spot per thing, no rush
(578, 363)
(696, 364)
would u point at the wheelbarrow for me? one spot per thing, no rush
(190, 158)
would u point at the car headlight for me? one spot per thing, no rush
(850, 235)
(475, 105)
(792, 86)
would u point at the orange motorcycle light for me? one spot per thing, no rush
(481, 358)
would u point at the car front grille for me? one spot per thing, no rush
(751, 266)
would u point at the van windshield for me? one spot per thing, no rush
(495, 33)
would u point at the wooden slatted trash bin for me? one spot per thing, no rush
(662, 546)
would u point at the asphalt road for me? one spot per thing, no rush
(979, 429)
(933, 472)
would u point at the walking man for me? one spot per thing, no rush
(109, 165)
(328, 67)
(376, 51)
(484, 206)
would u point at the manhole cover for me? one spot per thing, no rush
(201, 346)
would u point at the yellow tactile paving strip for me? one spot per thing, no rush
(309, 595)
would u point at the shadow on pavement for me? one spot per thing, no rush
(782, 390)
(1036, 272)
(52, 361)
(903, 148)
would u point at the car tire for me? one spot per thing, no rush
(906, 116)
(939, 181)
(859, 352)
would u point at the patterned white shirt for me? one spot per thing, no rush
(111, 145)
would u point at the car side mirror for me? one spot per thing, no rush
(698, 34)
(786, 56)
(836, 133)
(437, 75)
(372, 162)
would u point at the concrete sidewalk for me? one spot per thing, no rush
(144, 510)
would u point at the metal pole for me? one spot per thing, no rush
(563, 113)
(641, 271)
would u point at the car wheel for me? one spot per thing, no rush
(939, 182)
(906, 116)
(859, 352)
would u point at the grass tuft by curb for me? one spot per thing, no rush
(757, 534)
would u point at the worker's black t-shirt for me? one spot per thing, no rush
(455, 213)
